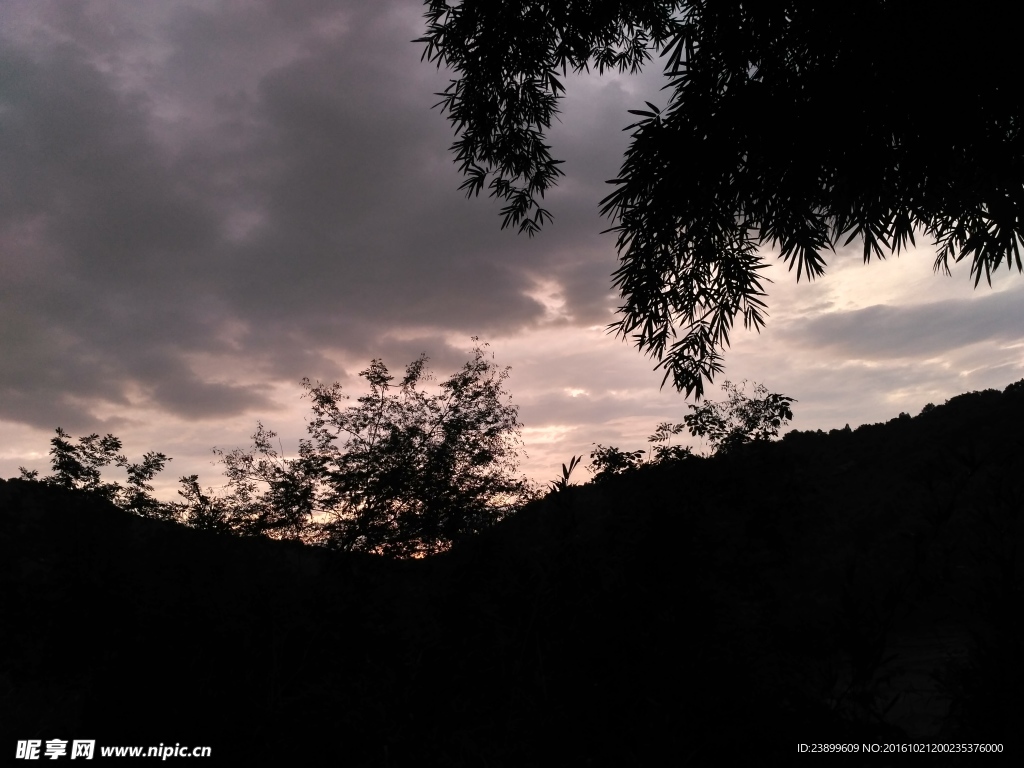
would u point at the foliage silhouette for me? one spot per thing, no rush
(402, 473)
(663, 450)
(735, 422)
(78, 467)
(739, 157)
(559, 485)
(608, 462)
(740, 419)
(202, 511)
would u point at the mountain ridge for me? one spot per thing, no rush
(671, 604)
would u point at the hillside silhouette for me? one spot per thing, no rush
(852, 586)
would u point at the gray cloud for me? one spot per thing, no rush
(921, 330)
(199, 168)
(202, 202)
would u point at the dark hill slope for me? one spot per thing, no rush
(135, 631)
(700, 609)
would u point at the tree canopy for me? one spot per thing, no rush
(402, 473)
(78, 467)
(796, 125)
(740, 420)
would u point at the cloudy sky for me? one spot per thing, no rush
(204, 202)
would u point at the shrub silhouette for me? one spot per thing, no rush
(737, 421)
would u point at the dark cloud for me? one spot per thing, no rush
(201, 203)
(189, 397)
(916, 331)
(176, 173)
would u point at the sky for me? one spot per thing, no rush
(205, 202)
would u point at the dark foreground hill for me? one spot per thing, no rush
(688, 613)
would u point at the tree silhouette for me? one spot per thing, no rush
(78, 467)
(402, 473)
(608, 462)
(740, 419)
(788, 125)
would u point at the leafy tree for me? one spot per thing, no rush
(269, 495)
(663, 450)
(737, 421)
(789, 124)
(402, 473)
(79, 467)
(740, 419)
(202, 510)
(607, 462)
